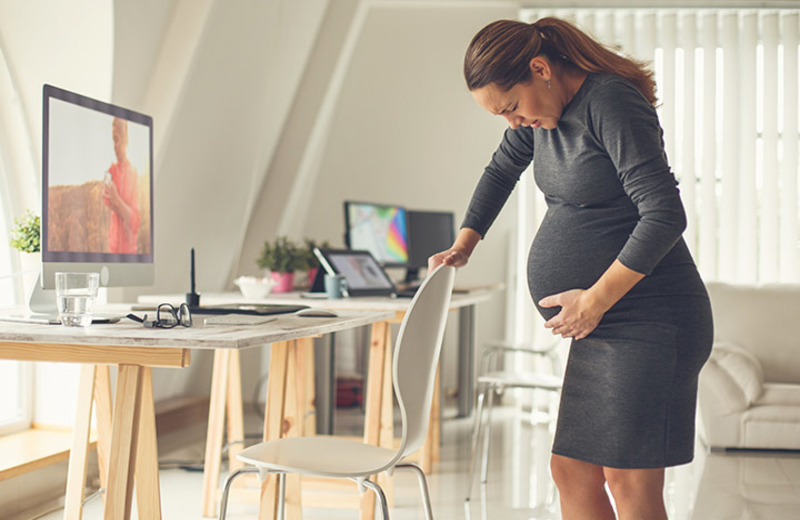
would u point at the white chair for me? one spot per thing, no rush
(416, 354)
(491, 381)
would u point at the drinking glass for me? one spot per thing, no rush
(75, 295)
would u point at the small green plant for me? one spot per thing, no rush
(282, 256)
(25, 236)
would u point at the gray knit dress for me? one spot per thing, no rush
(630, 387)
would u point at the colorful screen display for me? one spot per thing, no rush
(380, 229)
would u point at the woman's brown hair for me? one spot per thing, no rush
(501, 53)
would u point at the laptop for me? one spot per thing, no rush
(364, 275)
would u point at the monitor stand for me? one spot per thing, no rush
(412, 276)
(42, 301)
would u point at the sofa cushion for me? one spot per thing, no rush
(771, 428)
(743, 368)
(780, 394)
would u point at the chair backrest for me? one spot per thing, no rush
(416, 356)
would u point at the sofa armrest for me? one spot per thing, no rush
(734, 376)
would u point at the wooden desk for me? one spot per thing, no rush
(127, 440)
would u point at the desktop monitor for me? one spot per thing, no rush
(97, 190)
(380, 229)
(429, 232)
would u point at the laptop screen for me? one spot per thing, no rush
(364, 274)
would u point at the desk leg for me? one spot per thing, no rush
(306, 391)
(216, 418)
(78, 455)
(373, 415)
(235, 410)
(124, 433)
(148, 490)
(466, 360)
(103, 415)
(274, 418)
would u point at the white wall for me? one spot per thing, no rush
(402, 127)
(221, 131)
(407, 131)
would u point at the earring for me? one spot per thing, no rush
(548, 84)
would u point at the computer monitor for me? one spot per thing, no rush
(429, 232)
(97, 190)
(380, 229)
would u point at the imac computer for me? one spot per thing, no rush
(380, 229)
(429, 232)
(97, 191)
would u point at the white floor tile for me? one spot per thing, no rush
(716, 486)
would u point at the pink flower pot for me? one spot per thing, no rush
(284, 282)
(312, 273)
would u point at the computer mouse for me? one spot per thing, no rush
(317, 313)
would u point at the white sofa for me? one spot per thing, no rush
(749, 395)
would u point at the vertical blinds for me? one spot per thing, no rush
(728, 92)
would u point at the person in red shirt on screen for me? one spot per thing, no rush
(120, 194)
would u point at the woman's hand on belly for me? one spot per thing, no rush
(579, 314)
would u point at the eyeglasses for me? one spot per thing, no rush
(167, 317)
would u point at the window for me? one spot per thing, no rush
(728, 87)
(15, 376)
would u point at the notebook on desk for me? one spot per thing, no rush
(253, 309)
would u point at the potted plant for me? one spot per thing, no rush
(282, 258)
(25, 236)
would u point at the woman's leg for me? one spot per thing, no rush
(638, 493)
(581, 489)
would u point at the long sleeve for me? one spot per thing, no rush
(627, 126)
(499, 179)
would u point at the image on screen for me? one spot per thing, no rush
(361, 271)
(97, 194)
(379, 229)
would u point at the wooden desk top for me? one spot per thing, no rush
(128, 333)
(356, 303)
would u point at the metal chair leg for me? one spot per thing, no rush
(381, 498)
(476, 435)
(487, 437)
(223, 507)
(423, 486)
(281, 496)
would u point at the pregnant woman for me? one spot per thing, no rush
(608, 267)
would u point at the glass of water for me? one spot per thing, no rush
(75, 295)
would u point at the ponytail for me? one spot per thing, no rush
(501, 53)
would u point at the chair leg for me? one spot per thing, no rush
(487, 437)
(423, 486)
(223, 507)
(476, 435)
(381, 498)
(281, 496)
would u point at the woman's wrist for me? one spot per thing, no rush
(466, 241)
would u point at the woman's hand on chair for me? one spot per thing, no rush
(453, 256)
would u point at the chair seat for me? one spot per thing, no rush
(521, 379)
(321, 456)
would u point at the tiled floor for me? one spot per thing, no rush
(716, 486)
